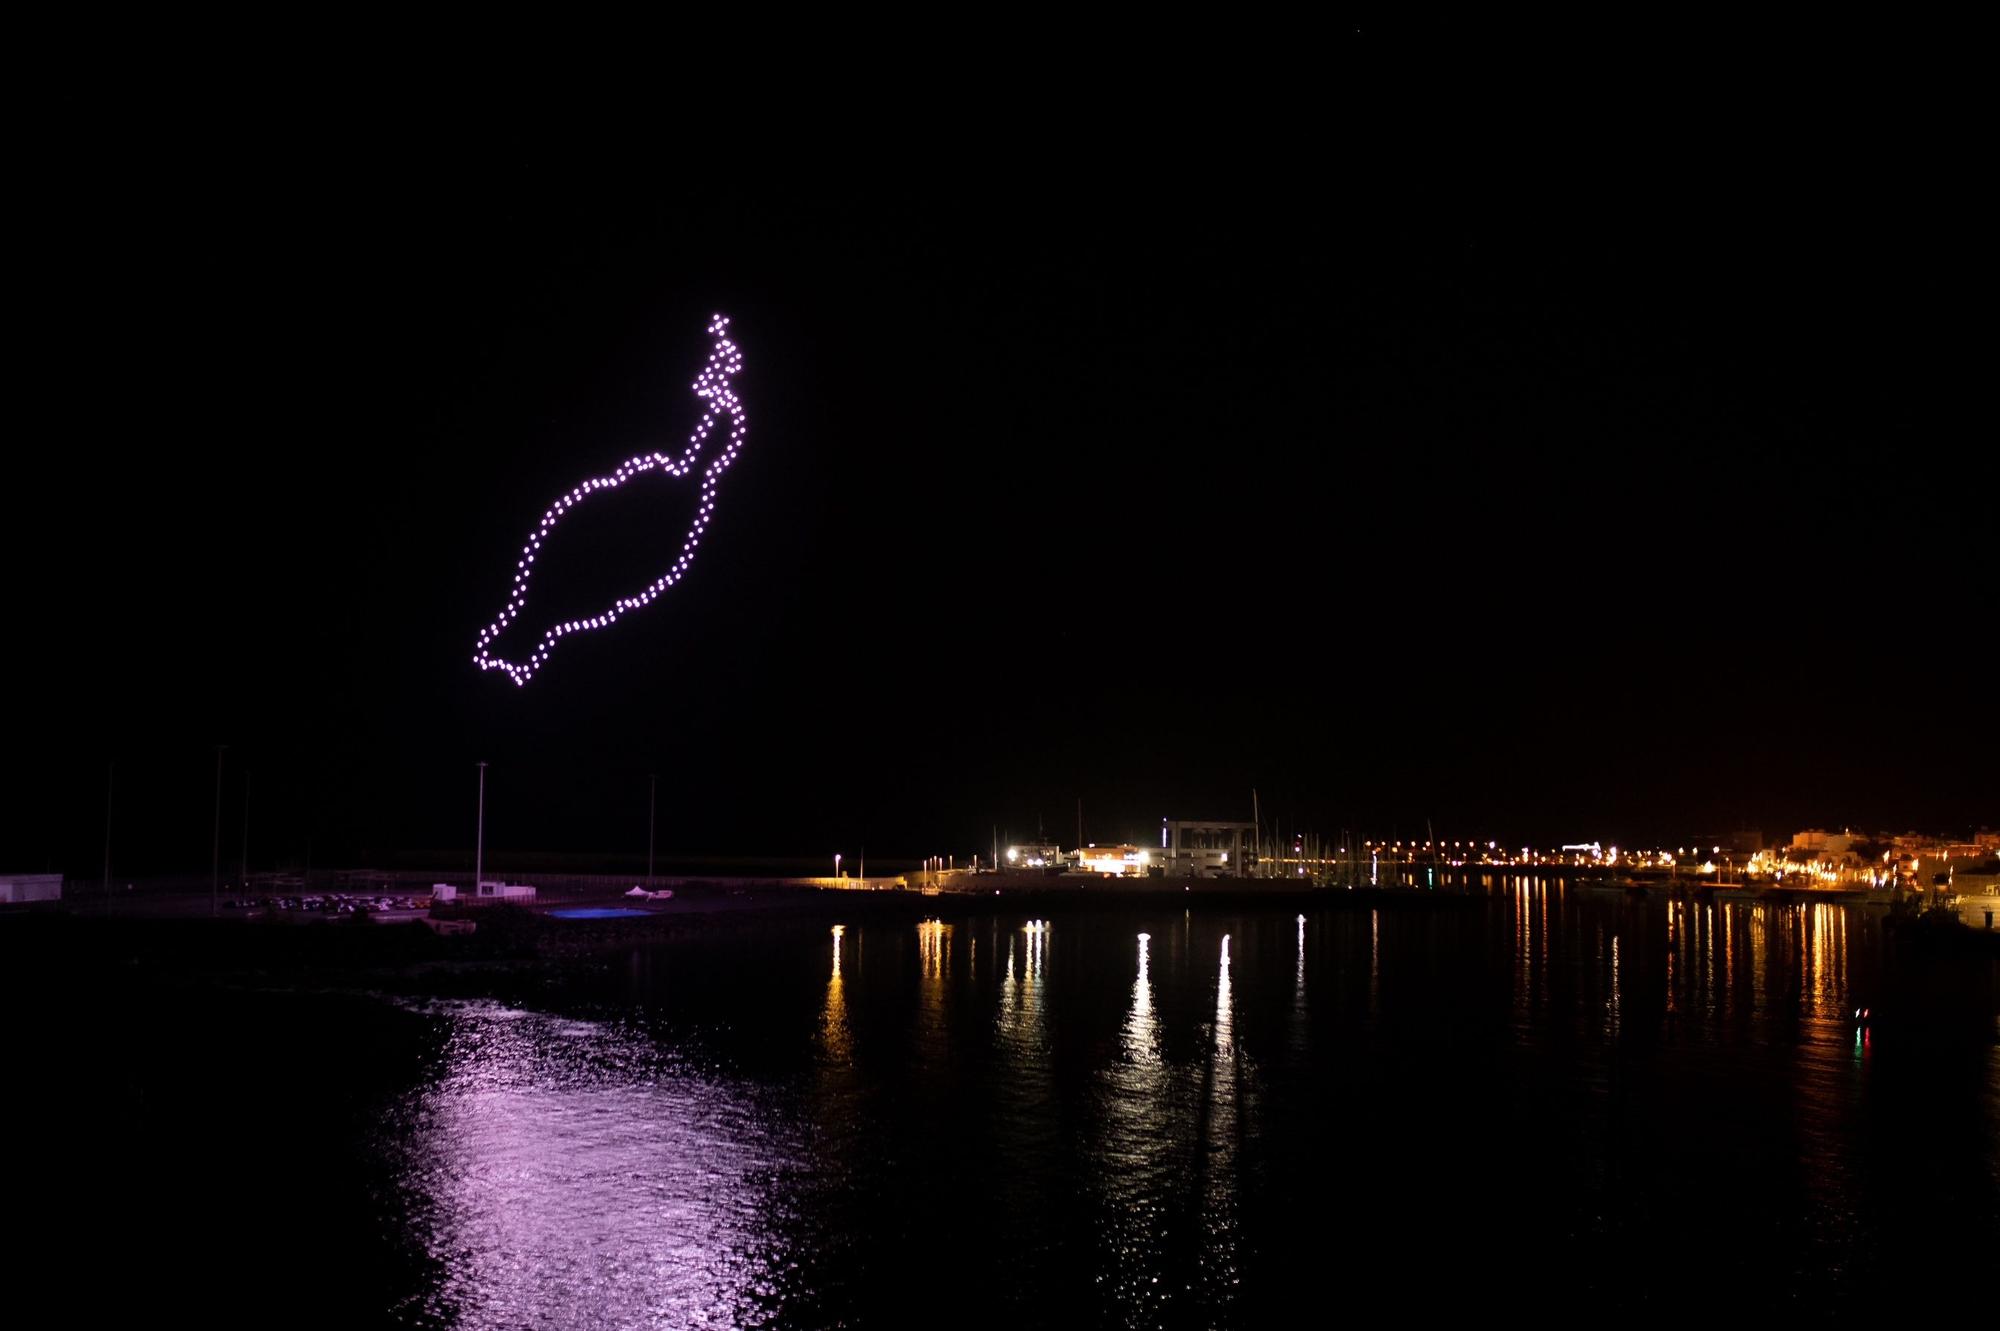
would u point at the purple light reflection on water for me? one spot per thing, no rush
(1118, 1118)
(570, 1174)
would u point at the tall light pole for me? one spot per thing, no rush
(215, 861)
(479, 835)
(243, 870)
(836, 865)
(652, 806)
(110, 772)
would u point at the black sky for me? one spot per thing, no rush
(1635, 494)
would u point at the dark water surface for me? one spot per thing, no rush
(1537, 1104)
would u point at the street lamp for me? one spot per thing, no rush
(110, 776)
(243, 871)
(215, 862)
(479, 835)
(836, 864)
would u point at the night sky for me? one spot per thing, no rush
(1524, 502)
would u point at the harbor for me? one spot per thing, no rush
(748, 1106)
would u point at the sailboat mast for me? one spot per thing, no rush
(1257, 831)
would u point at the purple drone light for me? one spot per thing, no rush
(712, 386)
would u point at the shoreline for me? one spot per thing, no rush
(531, 958)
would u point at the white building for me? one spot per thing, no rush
(1206, 849)
(1823, 845)
(15, 887)
(489, 891)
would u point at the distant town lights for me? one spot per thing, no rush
(712, 386)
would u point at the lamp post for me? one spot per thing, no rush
(836, 865)
(243, 870)
(215, 860)
(110, 773)
(652, 805)
(479, 835)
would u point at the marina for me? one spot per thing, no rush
(750, 1119)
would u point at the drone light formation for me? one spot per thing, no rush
(712, 386)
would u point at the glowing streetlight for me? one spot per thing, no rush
(215, 863)
(479, 835)
(110, 776)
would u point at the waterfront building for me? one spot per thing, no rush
(1206, 849)
(1822, 845)
(1978, 892)
(16, 887)
(1033, 855)
(489, 891)
(1117, 861)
